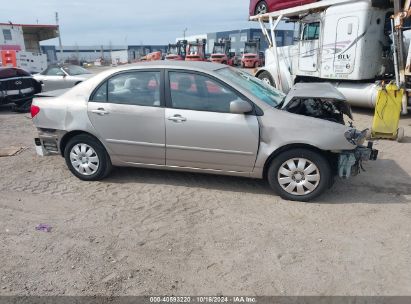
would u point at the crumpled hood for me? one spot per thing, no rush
(316, 100)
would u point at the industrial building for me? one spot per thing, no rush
(80, 54)
(104, 53)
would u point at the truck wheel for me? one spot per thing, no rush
(267, 78)
(261, 8)
(86, 158)
(299, 175)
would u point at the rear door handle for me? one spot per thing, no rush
(177, 118)
(100, 112)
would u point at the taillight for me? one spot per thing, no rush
(34, 110)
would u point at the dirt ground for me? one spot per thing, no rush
(147, 232)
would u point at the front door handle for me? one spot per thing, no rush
(177, 118)
(100, 111)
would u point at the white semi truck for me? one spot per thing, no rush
(355, 45)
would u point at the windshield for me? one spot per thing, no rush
(11, 72)
(73, 70)
(173, 50)
(250, 49)
(193, 50)
(219, 49)
(255, 86)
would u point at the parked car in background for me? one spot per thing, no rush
(18, 87)
(57, 77)
(265, 6)
(203, 117)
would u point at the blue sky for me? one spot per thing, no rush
(120, 22)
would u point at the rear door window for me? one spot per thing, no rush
(131, 88)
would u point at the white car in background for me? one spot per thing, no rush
(57, 77)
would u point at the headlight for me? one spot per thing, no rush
(356, 137)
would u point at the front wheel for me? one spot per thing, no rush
(86, 158)
(300, 175)
(267, 78)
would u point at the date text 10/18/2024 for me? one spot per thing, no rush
(203, 299)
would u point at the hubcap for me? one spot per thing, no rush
(261, 9)
(84, 159)
(299, 176)
(266, 80)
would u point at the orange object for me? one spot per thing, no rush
(9, 58)
(153, 56)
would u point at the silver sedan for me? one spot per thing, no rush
(57, 77)
(203, 117)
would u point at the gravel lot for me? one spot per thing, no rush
(146, 232)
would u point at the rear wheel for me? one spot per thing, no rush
(300, 175)
(86, 158)
(261, 8)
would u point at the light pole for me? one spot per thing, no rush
(60, 44)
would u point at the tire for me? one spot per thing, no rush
(261, 8)
(22, 107)
(267, 78)
(291, 183)
(96, 165)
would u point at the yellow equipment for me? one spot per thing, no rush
(387, 113)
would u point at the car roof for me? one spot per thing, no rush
(176, 64)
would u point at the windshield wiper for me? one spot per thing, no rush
(280, 105)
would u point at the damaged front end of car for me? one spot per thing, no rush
(323, 101)
(317, 100)
(350, 163)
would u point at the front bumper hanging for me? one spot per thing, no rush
(350, 162)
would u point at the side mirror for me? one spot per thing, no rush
(240, 107)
